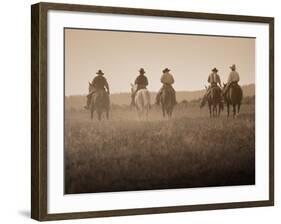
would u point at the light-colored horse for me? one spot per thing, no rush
(142, 101)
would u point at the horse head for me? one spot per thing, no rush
(203, 102)
(133, 88)
(90, 87)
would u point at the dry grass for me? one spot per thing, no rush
(191, 150)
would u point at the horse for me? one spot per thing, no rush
(167, 101)
(142, 101)
(99, 102)
(214, 99)
(233, 96)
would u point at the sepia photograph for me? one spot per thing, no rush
(153, 111)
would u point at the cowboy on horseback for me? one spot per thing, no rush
(99, 83)
(233, 78)
(141, 82)
(214, 80)
(167, 80)
(232, 92)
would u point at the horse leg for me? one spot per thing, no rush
(140, 115)
(210, 110)
(227, 110)
(92, 113)
(234, 110)
(99, 115)
(238, 108)
(170, 113)
(143, 114)
(163, 110)
(215, 111)
(107, 114)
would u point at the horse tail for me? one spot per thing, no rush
(215, 95)
(203, 101)
(147, 99)
(167, 98)
(236, 95)
(240, 96)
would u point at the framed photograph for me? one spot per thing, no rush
(141, 111)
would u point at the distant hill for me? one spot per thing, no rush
(78, 101)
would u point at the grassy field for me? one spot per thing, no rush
(190, 150)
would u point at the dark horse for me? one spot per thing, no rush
(167, 101)
(214, 99)
(233, 96)
(99, 102)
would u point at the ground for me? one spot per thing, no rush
(190, 150)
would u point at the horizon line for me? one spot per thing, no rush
(190, 91)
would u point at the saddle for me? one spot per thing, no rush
(214, 84)
(215, 87)
(234, 84)
(168, 87)
(101, 95)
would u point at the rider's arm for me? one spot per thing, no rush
(106, 85)
(229, 78)
(94, 82)
(146, 82)
(238, 77)
(219, 81)
(137, 81)
(172, 80)
(162, 79)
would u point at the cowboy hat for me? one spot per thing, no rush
(166, 70)
(142, 71)
(232, 66)
(215, 69)
(99, 72)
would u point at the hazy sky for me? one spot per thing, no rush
(121, 54)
